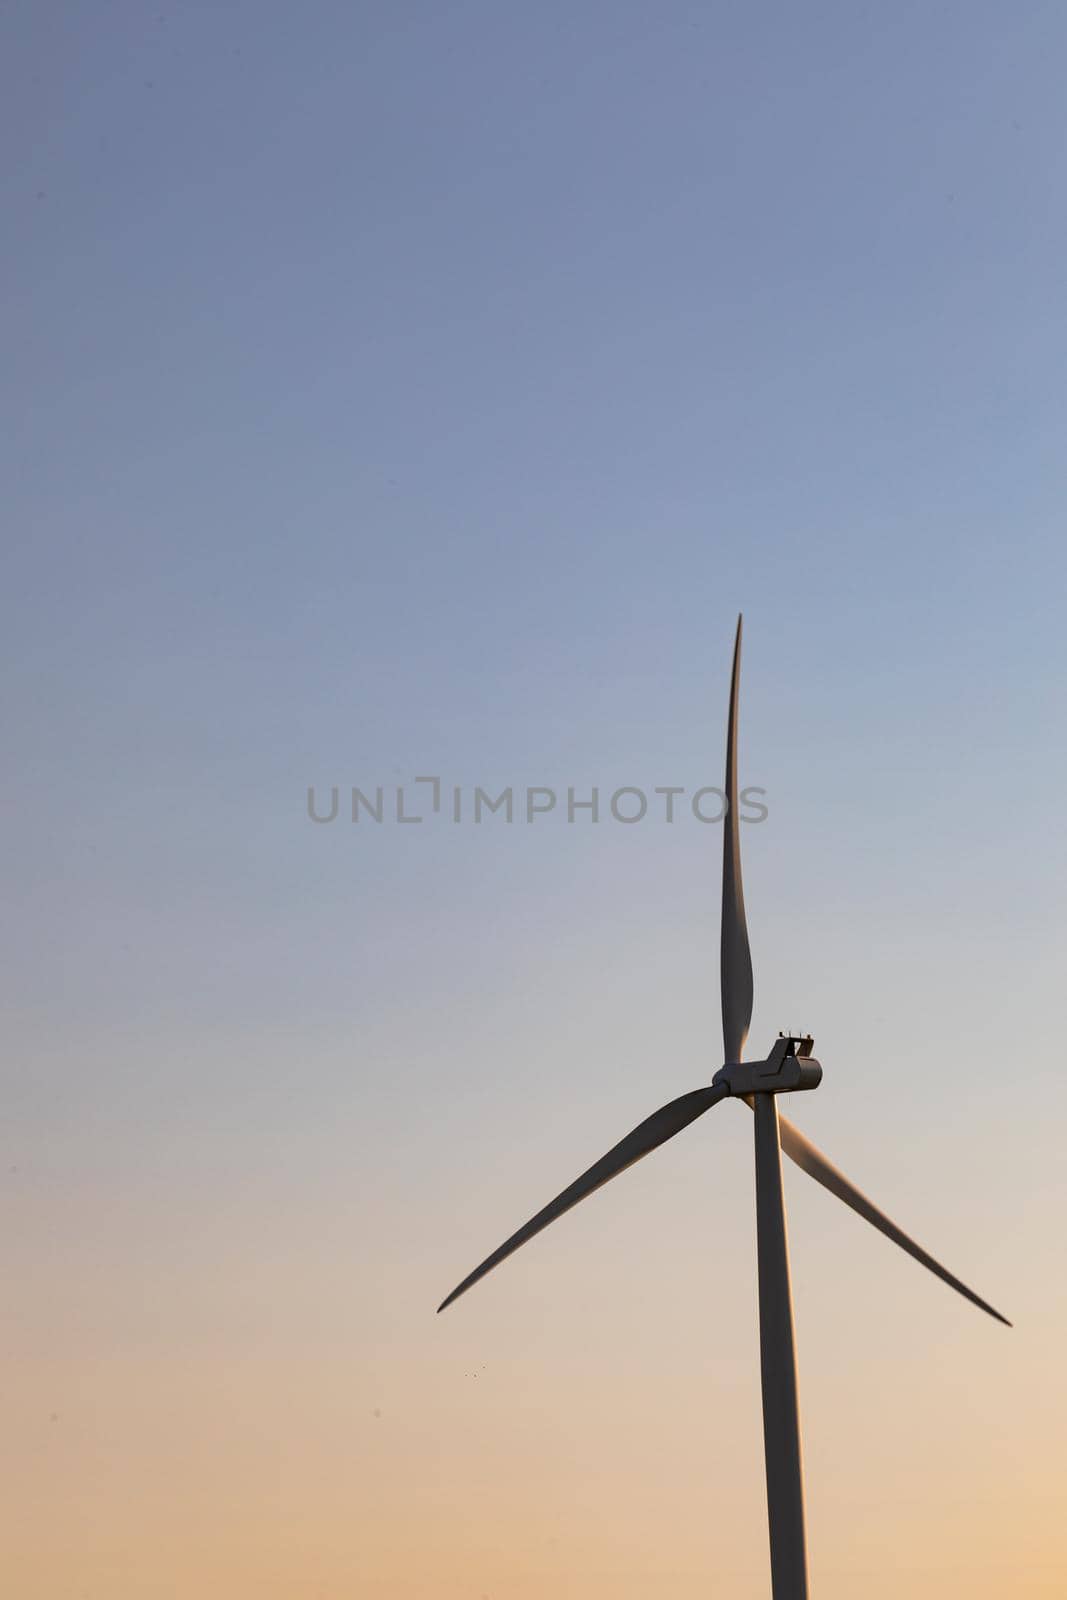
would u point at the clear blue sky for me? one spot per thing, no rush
(395, 389)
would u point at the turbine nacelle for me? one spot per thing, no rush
(789, 1067)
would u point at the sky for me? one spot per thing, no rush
(415, 390)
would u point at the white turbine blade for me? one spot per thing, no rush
(655, 1130)
(735, 959)
(815, 1164)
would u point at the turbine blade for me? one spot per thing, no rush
(815, 1164)
(655, 1130)
(735, 959)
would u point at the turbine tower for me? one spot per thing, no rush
(788, 1069)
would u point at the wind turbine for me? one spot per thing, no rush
(789, 1068)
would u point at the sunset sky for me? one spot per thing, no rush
(399, 390)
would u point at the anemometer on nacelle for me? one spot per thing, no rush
(789, 1067)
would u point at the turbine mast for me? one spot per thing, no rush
(778, 1368)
